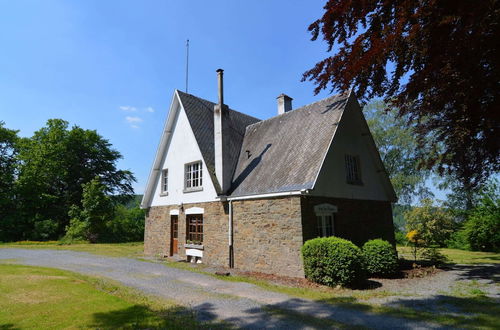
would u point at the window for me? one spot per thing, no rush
(194, 176)
(326, 226)
(352, 169)
(164, 181)
(194, 229)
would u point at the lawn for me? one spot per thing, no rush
(135, 250)
(132, 250)
(45, 298)
(469, 306)
(456, 256)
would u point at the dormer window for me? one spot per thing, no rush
(164, 182)
(353, 169)
(194, 176)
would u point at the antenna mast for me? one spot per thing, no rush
(187, 63)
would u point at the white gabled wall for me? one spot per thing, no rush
(351, 138)
(182, 149)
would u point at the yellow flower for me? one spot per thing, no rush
(412, 236)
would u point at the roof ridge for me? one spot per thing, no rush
(202, 99)
(300, 108)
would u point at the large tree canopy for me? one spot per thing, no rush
(398, 149)
(54, 164)
(436, 61)
(8, 152)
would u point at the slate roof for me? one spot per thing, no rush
(285, 153)
(200, 114)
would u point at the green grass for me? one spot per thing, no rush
(132, 250)
(472, 308)
(45, 298)
(456, 256)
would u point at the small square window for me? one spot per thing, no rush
(352, 169)
(164, 181)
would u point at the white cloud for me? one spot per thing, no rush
(149, 109)
(134, 126)
(127, 108)
(132, 120)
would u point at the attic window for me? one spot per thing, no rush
(352, 169)
(194, 176)
(164, 181)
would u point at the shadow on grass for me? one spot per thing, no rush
(143, 317)
(7, 326)
(447, 311)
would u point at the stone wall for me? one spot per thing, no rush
(157, 231)
(215, 237)
(356, 220)
(268, 235)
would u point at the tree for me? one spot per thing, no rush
(54, 164)
(433, 224)
(398, 149)
(8, 163)
(89, 221)
(482, 228)
(436, 61)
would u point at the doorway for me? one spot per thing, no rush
(174, 234)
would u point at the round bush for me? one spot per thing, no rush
(332, 261)
(380, 257)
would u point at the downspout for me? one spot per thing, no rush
(230, 235)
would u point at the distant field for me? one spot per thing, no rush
(459, 256)
(45, 298)
(132, 250)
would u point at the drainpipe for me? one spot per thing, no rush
(230, 235)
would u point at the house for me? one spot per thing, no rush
(232, 190)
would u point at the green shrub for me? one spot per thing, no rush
(458, 240)
(400, 238)
(380, 257)
(332, 261)
(482, 228)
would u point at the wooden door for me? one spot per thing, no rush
(174, 234)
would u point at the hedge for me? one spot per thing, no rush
(380, 257)
(333, 261)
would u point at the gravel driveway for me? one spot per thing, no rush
(242, 304)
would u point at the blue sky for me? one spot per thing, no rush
(113, 65)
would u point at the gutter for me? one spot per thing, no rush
(230, 235)
(278, 194)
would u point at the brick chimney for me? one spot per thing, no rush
(284, 103)
(221, 139)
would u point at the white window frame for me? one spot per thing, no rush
(325, 219)
(326, 225)
(193, 176)
(353, 169)
(164, 182)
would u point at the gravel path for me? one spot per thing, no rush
(429, 293)
(242, 304)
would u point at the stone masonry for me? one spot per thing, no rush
(356, 220)
(268, 236)
(215, 242)
(267, 233)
